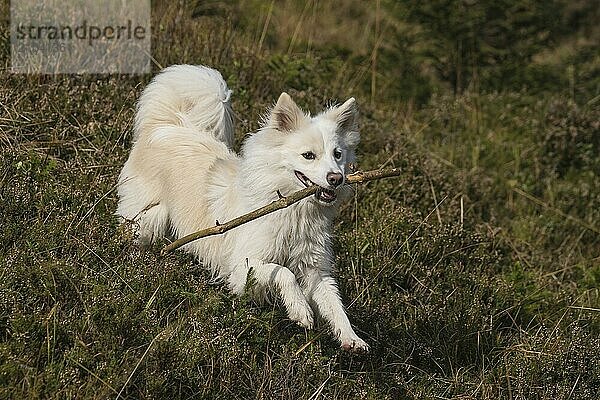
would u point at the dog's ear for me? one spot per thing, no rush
(286, 116)
(346, 118)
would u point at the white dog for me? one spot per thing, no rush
(182, 176)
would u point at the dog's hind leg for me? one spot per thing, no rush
(150, 222)
(280, 278)
(149, 218)
(153, 222)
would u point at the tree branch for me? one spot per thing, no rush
(283, 202)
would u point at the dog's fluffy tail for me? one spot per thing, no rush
(189, 96)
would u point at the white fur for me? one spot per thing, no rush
(182, 176)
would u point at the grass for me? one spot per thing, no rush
(475, 274)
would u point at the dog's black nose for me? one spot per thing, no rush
(335, 178)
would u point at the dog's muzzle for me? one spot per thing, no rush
(324, 195)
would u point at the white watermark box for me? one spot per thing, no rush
(80, 36)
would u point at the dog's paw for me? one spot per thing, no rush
(355, 345)
(303, 316)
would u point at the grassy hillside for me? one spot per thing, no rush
(475, 274)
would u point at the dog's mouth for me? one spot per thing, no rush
(324, 195)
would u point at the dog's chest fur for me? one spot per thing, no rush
(302, 236)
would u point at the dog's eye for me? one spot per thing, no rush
(337, 154)
(309, 155)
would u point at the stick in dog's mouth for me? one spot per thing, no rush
(325, 195)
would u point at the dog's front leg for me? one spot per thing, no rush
(322, 289)
(280, 278)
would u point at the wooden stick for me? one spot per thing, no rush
(283, 202)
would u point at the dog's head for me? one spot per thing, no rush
(315, 150)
